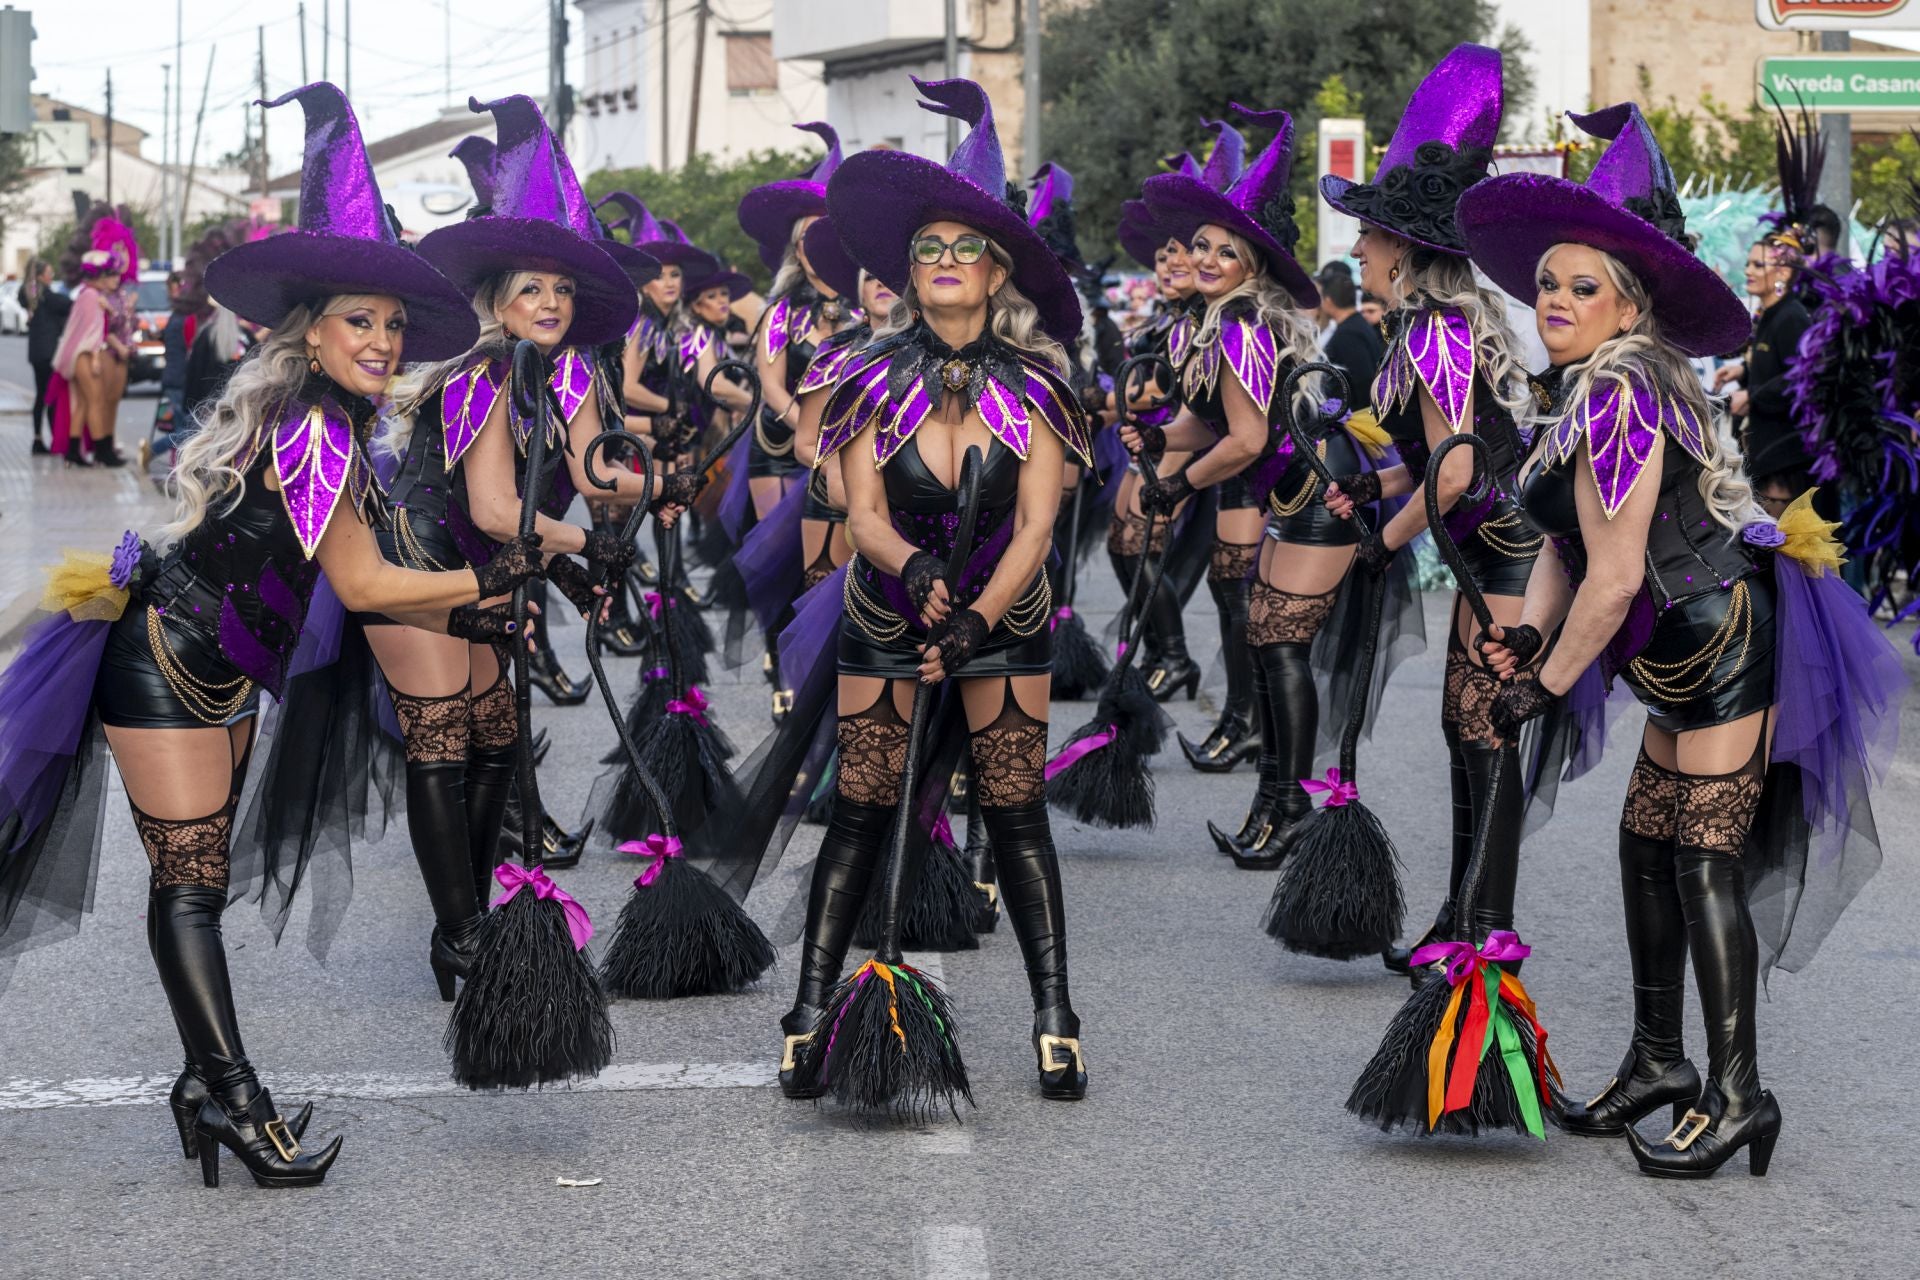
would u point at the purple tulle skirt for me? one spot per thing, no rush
(1838, 689)
(769, 559)
(736, 504)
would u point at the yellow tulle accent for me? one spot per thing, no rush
(1809, 538)
(1364, 426)
(82, 586)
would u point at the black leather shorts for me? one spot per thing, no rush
(1710, 659)
(131, 693)
(877, 641)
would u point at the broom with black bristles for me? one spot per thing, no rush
(1079, 668)
(680, 748)
(1339, 890)
(886, 1039)
(680, 933)
(1100, 773)
(531, 1011)
(1465, 1053)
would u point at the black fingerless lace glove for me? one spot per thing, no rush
(676, 490)
(608, 553)
(1162, 494)
(573, 581)
(481, 624)
(1518, 702)
(513, 564)
(1375, 554)
(1362, 486)
(1152, 439)
(1523, 641)
(958, 639)
(918, 575)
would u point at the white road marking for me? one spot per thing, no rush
(951, 1251)
(123, 1091)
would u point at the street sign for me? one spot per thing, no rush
(1343, 147)
(1838, 15)
(58, 144)
(1841, 81)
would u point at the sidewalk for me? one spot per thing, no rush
(47, 506)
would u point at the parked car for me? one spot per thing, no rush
(13, 316)
(151, 310)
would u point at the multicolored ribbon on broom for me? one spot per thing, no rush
(887, 973)
(1492, 995)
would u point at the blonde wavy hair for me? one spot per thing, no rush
(1447, 280)
(207, 478)
(1640, 355)
(1011, 317)
(1273, 307)
(792, 273)
(416, 390)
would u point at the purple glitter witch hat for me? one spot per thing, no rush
(1258, 207)
(1050, 214)
(880, 199)
(527, 228)
(1629, 209)
(1141, 234)
(767, 213)
(657, 237)
(641, 267)
(345, 243)
(1442, 145)
(830, 260)
(475, 154)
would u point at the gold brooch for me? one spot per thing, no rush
(954, 375)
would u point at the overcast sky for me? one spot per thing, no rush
(399, 48)
(399, 58)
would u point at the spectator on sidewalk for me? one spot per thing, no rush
(1352, 345)
(46, 311)
(218, 345)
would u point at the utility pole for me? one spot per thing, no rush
(699, 69)
(1030, 140)
(559, 102)
(179, 108)
(166, 173)
(666, 87)
(186, 184)
(1836, 130)
(953, 68)
(109, 135)
(346, 47)
(261, 34)
(326, 38)
(301, 9)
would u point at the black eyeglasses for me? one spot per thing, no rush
(967, 250)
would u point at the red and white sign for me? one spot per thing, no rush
(1837, 15)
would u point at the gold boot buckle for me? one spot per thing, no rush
(1691, 1126)
(1050, 1043)
(282, 1138)
(786, 1054)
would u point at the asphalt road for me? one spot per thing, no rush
(1213, 1142)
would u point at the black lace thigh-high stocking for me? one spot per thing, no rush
(436, 734)
(190, 864)
(873, 754)
(1655, 1071)
(493, 734)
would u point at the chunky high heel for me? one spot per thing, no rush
(1230, 744)
(809, 1019)
(75, 458)
(450, 952)
(1171, 675)
(1631, 1096)
(1056, 1043)
(190, 1092)
(264, 1142)
(1704, 1138)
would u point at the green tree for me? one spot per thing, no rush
(1886, 179)
(1128, 81)
(703, 196)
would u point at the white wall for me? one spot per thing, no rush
(47, 201)
(882, 109)
(1560, 32)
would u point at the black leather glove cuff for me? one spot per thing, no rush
(1375, 554)
(958, 638)
(1164, 493)
(573, 581)
(1523, 641)
(513, 564)
(478, 624)
(1518, 702)
(1362, 486)
(918, 575)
